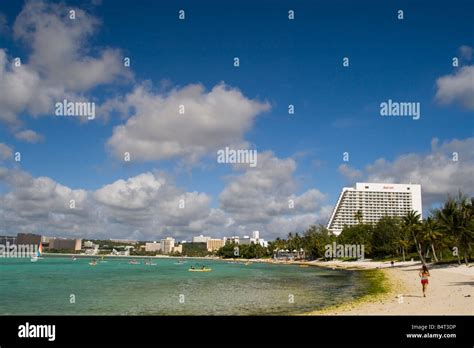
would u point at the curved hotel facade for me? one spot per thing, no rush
(375, 201)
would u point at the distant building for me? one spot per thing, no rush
(65, 244)
(90, 248)
(153, 247)
(88, 244)
(255, 235)
(246, 240)
(233, 239)
(255, 239)
(167, 245)
(121, 253)
(178, 249)
(201, 239)
(124, 241)
(28, 239)
(45, 241)
(7, 239)
(214, 244)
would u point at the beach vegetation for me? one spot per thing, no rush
(447, 233)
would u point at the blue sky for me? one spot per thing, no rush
(282, 62)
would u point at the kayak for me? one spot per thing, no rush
(200, 270)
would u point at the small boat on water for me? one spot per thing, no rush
(134, 262)
(93, 263)
(200, 269)
(36, 257)
(149, 263)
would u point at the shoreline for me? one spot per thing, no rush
(389, 287)
(130, 256)
(396, 289)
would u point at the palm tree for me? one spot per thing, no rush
(297, 241)
(448, 222)
(290, 241)
(456, 219)
(430, 232)
(411, 224)
(403, 242)
(466, 239)
(358, 216)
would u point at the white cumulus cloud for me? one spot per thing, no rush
(157, 130)
(6, 152)
(457, 87)
(447, 168)
(29, 136)
(60, 64)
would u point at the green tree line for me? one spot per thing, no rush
(447, 232)
(249, 251)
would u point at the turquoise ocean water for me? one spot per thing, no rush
(116, 287)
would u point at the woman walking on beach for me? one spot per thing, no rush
(424, 274)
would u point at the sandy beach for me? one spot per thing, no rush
(450, 291)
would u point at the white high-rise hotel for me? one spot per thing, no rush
(374, 201)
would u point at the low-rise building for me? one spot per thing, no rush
(88, 244)
(178, 249)
(65, 244)
(153, 247)
(125, 252)
(28, 239)
(90, 248)
(214, 244)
